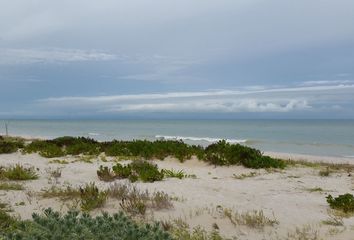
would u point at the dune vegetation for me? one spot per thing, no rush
(220, 153)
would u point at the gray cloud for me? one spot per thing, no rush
(30, 56)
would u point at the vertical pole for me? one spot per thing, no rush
(7, 132)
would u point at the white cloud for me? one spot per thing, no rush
(245, 105)
(284, 99)
(29, 56)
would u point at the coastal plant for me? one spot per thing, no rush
(62, 193)
(105, 174)
(224, 153)
(45, 148)
(137, 170)
(6, 221)
(252, 219)
(343, 202)
(135, 201)
(75, 226)
(91, 197)
(179, 229)
(325, 173)
(18, 172)
(171, 173)
(10, 186)
(10, 144)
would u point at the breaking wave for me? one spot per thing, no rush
(206, 139)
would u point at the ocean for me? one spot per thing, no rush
(315, 137)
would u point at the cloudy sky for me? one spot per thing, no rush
(177, 59)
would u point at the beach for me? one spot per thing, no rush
(292, 201)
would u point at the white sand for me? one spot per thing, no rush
(283, 194)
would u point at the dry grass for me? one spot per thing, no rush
(252, 219)
(304, 233)
(245, 175)
(10, 186)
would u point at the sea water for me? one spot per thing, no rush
(316, 137)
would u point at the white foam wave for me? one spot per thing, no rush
(206, 139)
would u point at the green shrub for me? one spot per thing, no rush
(18, 172)
(9, 146)
(105, 174)
(146, 171)
(137, 170)
(91, 197)
(6, 221)
(44, 148)
(223, 153)
(343, 202)
(74, 226)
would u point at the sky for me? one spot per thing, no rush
(176, 59)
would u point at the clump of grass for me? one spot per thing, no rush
(10, 186)
(252, 219)
(333, 220)
(58, 161)
(18, 172)
(174, 173)
(179, 229)
(135, 201)
(343, 202)
(62, 193)
(325, 173)
(304, 233)
(105, 174)
(91, 197)
(245, 175)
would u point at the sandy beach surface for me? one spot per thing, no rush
(293, 198)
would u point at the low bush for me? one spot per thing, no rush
(137, 170)
(343, 202)
(220, 153)
(10, 186)
(75, 226)
(6, 221)
(105, 174)
(91, 197)
(9, 147)
(18, 172)
(223, 153)
(44, 148)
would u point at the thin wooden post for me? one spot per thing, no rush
(6, 128)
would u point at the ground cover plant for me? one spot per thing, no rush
(74, 226)
(343, 202)
(10, 186)
(136, 170)
(90, 197)
(220, 153)
(10, 144)
(18, 172)
(223, 153)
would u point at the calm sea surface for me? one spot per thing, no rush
(317, 137)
